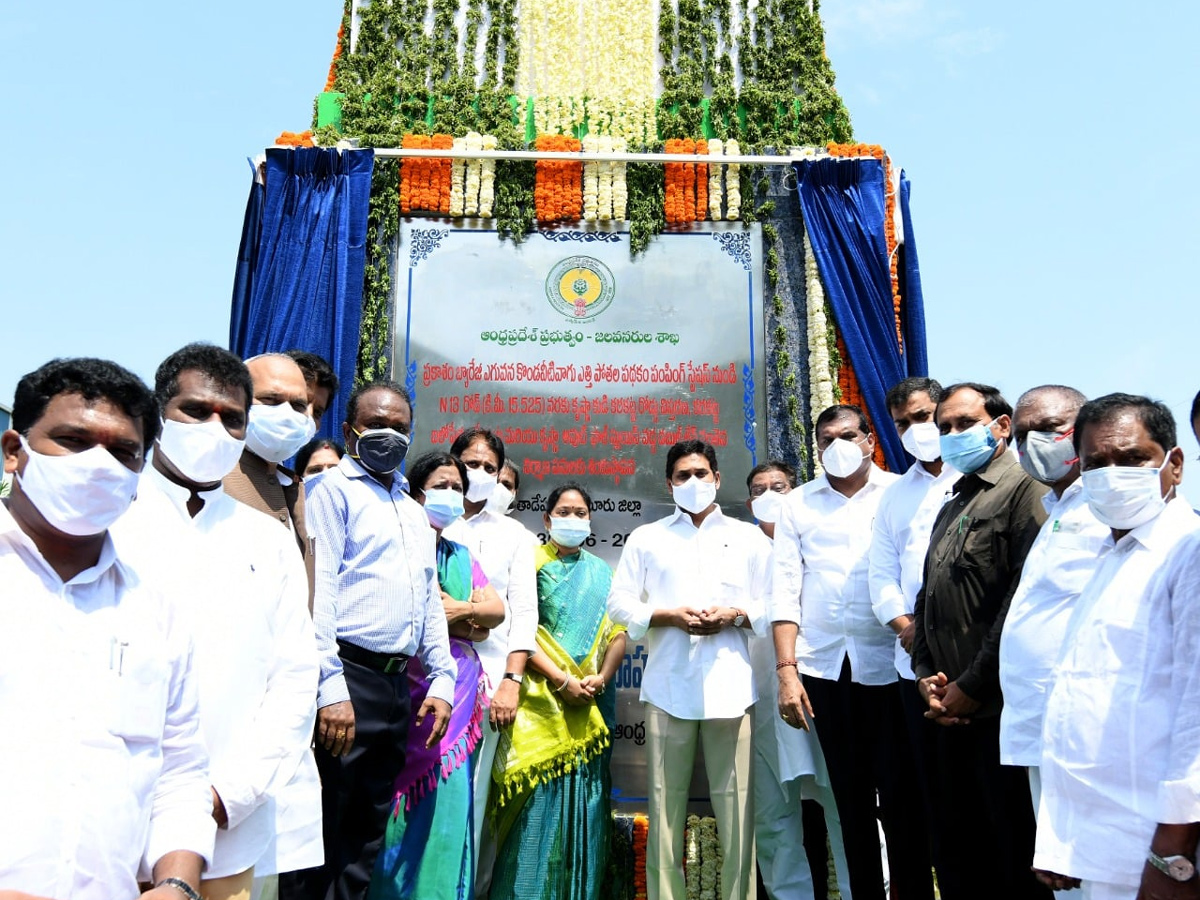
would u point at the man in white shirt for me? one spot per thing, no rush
(825, 629)
(900, 541)
(105, 779)
(792, 799)
(694, 585)
(1060, 562)
(377, 603)
(241, 585)
(1118, 807)
(504, 550)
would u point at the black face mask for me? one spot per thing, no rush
(381, 449)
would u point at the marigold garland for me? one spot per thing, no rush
(701, 183)
(440, 174)
(685, 184)
(641, 829)
(852, 150)
(893, 245)
(294, 139)
(558, 191)
(337, 54)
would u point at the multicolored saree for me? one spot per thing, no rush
(433, 806)
(551, 782)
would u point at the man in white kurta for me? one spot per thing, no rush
(1060, 562)
(104, 780)
(693, 585)
(242, 587)
(1119, 736)
(791, 782)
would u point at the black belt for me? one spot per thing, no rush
(382, 662)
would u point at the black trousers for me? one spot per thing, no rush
(357, 789)
(922, 747)
(983, 817)
(861, 730)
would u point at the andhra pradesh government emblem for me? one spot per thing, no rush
(580, 287)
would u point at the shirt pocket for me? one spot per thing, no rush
(973, 545)
(138, 690)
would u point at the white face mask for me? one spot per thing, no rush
(481, 485)
(923, 441)
(79, 493)
(501, 500)
(1124, 497)
(842, 458)
(277, 432)
(694, 495)
(203, 452)
(767, 506)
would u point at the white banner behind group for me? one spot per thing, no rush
(589, 365)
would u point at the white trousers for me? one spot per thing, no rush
(671, 755)
(485, 841)
(779, 833)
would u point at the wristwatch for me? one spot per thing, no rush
(513, 676)
(1179, 868)
(740, 619)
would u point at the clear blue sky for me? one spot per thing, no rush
(1050, 147)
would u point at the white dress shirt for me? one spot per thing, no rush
(822, 540)
(240, 581)
(1059, 564)
(103, 765)
(903, 523)
(376, 577)
(671, 563)
(1113, 749)
(504, 550)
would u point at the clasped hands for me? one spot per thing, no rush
(704, 621)
(948, 703)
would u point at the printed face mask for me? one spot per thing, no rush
(443, 506)
(842, 458)
(481, 485)
(923, 441)
(969, 450)
(1047, 456)
(277, 432)
(767, 506)
(570, 532)
(381, 449)
(694, 495)
(79, 493)
(203, 452)
(1124, 497)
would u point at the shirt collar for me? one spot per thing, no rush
(12, 531)
(352, 468)
(1050, 501)
(992, 471)
(876, 478)
(680, 515)
(177, 493)
(1164, 530)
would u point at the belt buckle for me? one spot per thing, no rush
(395, 664)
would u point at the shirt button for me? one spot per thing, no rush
(271, 479)
(283, 517)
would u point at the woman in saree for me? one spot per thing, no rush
(428, 850)
(551, 779)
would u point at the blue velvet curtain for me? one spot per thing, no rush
(843, 203)
(299, 277)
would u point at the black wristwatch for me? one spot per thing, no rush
(513, 676)
(1179, 868)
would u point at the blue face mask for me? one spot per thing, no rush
(443, 506)
(570, 532)
(968, 451)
